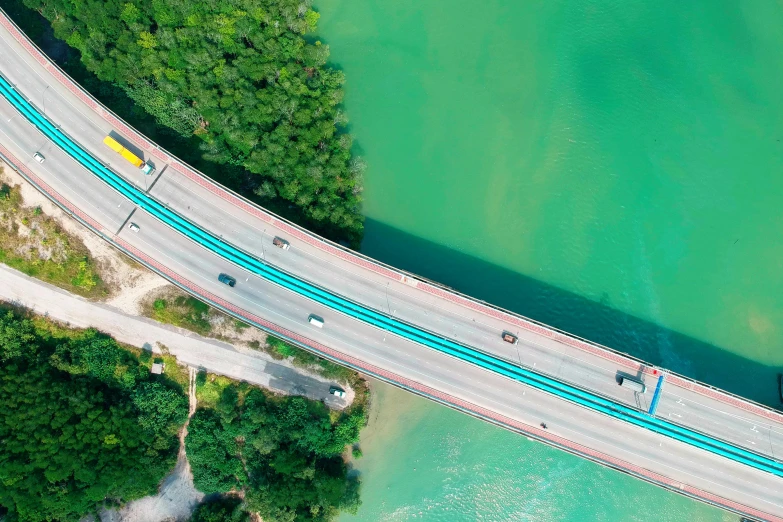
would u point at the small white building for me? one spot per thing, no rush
(157, 368)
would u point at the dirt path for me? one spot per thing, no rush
(190, 349)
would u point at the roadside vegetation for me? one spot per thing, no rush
(282, 455)
(240, 89)
(179, 309)
(35, 244)
(171, 305)
(83, 421)
(304, 359)
(105, 432)
(184, 311)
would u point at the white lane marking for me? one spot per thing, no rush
(535, 364)
(696, 406)
(96, 127)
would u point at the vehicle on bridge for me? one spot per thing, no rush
(281, 243)
(39, 157)
(633, 384)
(114, 145)
(510, 338)
(227, 280)
(315, 321)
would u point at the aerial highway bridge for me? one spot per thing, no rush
(487, 362)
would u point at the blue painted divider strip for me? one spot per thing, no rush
(369, 316)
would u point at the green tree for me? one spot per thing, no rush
(224, 509)
(160, 408)
(17, 337)
(213, 454)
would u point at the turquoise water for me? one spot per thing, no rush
(609, 167)
(425, 462)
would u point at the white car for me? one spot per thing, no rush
(38, 157)
(134, 227)
(337, 392)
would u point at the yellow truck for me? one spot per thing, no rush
(146, 168)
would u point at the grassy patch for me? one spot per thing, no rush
(183, 311)
(172, 370)
(240, 326)
(209, 388)
(34, 243)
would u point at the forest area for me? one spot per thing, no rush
(85, 425)
(83, 422)
(282, 454)
(241, 89)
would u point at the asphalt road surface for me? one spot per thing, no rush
(662, 460)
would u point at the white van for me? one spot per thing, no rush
(633, 384)
(316, 321)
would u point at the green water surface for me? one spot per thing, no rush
(614, 168)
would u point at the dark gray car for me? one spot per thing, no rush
(227, 279)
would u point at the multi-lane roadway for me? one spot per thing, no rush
(665, 461)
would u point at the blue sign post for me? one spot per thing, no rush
(656, 396)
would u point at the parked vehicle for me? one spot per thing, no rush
(134, 227)
(114, 145)
(227, 279)
(281, 243)
(634, 384)
(315, 321)
(337, 392)
(510, 338)
(39, 157)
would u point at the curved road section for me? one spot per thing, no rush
(698, 441)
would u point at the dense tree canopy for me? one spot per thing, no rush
(80, 423)
(239, 74)
(224, 509)
(285, 453)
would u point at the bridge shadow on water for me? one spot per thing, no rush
(589, 319)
